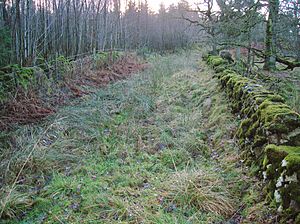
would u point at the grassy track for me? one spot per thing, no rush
(157, 148)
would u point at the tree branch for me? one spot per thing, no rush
(260, 53)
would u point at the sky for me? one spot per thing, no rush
(154, 4)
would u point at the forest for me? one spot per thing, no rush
(126, 111)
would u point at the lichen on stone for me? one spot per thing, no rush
(280, 181)
(277, 196)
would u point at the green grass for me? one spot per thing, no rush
(143, 150)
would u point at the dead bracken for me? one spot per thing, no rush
(32, 106)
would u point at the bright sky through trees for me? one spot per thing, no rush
(154, 4)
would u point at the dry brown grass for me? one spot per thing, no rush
(15, 204)
(199, 190)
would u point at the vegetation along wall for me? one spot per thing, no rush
(269, 135)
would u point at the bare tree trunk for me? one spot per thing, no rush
(104, 24)
(270, 52)
(4, 14)
(297, 16)
(18, 33)
(68, 34)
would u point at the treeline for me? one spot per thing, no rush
(32, 31)
(265, 29)
(35, 31)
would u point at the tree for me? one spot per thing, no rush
(270, 52)
(208, 20)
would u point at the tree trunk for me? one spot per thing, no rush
(18, 33)
(270, 51)
(296, 14)
(104, 25)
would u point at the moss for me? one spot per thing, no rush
(238, 88)
(231, 82)
(270, 97)
(245, 124)
(227, 71)
(252, 130)
(215, 61)
(276, 98)
(236, 106)
(253, 89)
(245, 111)
(255, 92)
(225, 78)
(267, 103)
(278, 117)
(284, 148)
(265, 162)
(294, 189)
(268, 120)
(220, 68)
(291, 154)
(241, 142)
(259, 140)
(276, 154)
(293, 160)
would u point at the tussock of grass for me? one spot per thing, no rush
(16, 204)
(199, 190)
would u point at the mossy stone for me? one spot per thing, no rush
(276, 154)
(245, 124)
(259, 140)
(252, 130)
(293, 161)
(291, 155)
(278, 117)
(220, 68)
(216, 61)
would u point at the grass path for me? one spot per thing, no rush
(157, 148)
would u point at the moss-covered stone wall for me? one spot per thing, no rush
(269, 136)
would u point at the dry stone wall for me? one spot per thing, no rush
(269, 135)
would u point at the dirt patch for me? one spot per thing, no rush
(32, 106)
